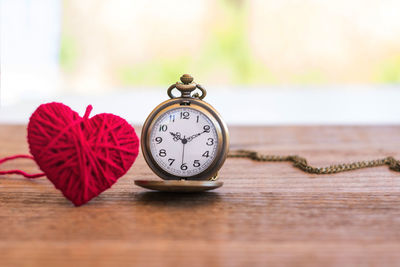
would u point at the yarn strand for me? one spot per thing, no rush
(20, 172)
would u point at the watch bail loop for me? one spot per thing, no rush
(186, 86)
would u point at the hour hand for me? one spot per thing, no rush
(177, 136)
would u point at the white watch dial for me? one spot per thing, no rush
(183, 142)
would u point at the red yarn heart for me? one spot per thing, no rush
(82, 157)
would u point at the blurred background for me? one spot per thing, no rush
(280, 62)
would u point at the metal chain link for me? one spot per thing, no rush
(301, 163)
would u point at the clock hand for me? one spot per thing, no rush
(177, 136)
(194, 136)
(183, 149)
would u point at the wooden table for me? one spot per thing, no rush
(265, 214)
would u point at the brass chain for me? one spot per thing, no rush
(301, 163)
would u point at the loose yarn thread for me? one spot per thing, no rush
(20, 172)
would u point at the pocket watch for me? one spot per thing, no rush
(184, 141)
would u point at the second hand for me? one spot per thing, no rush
(184, 141)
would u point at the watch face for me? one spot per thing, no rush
(183, 142)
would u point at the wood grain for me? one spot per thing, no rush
(265, 214)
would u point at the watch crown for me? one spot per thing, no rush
(186, 79)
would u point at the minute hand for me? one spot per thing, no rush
(194, 136)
